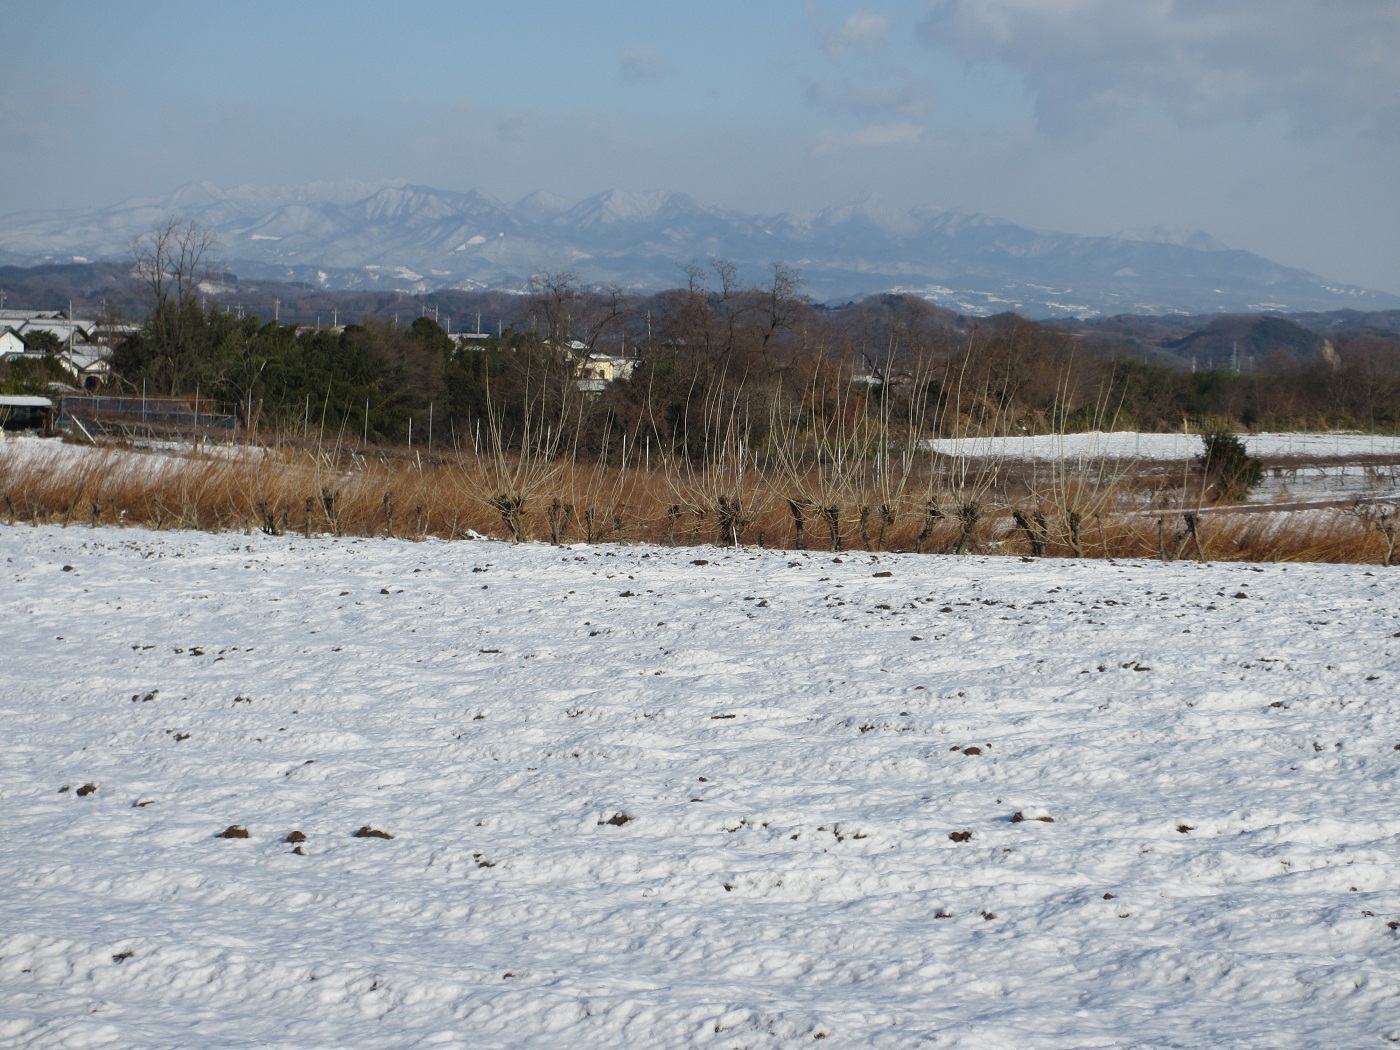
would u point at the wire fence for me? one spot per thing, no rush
(144, 414)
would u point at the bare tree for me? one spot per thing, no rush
(171, 260)
(781, 307)
(573, 319)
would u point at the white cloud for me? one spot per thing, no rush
(864, 27)
(862, 31)
(641, 63)
(1094, 62)
(871, 136)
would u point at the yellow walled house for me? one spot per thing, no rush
(597, 372)
(607, 367)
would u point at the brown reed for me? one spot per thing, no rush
(796, 500)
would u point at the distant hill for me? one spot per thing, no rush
(398, 237)
(1247, 342)
(1251, 342)
(90, 288)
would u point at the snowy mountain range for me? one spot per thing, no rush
(348, 235)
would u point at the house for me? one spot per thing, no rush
(607, 367)
(113, 332)
(597, 372)
(15, 318)
(474, 340)
(63, 329)
(90, 364)
(84, 347)
(10, 342)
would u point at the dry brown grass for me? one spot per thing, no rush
(817, 502)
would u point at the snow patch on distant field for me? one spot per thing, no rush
(636, 801)
(1096, 445)
(152, 458)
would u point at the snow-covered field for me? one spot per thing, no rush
(711, 798)
(1333, 467)
(1172, 447)
(154, 457)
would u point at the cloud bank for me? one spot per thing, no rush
(1321, 66)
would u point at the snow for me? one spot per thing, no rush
(150, 458)
(1335, 467)
(1175, 447)
(704, 797)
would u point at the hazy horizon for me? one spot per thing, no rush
(1274, 127)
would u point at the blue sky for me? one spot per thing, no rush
(1272, 124)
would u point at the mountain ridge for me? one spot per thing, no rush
(399, 235)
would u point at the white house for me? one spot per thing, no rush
(90, 364)
(10, 342)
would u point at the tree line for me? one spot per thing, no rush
(715, 357)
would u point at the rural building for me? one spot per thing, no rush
(63, 329)
(596, 373)
(15, 318)
(24, 412)
(608, 368)
(10, 342)
(83, 352)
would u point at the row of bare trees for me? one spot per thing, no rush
(714, 347)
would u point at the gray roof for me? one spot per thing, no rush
(27, 315)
